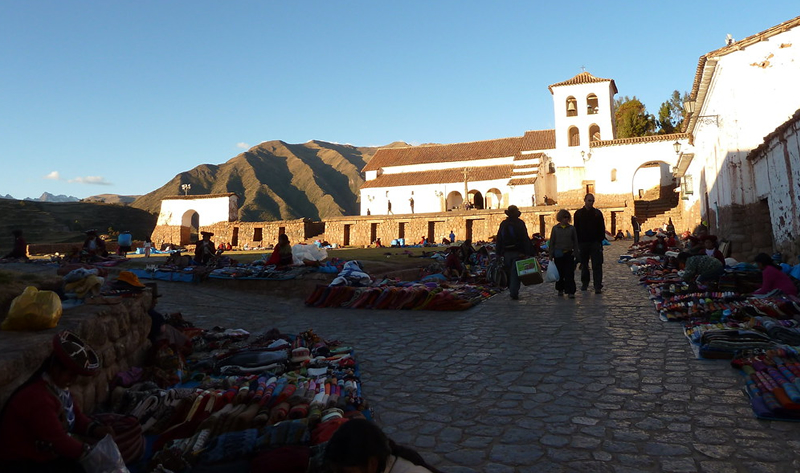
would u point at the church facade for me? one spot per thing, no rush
(541, 167)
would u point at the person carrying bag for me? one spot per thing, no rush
(513, 244)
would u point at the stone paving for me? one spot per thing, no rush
(543, 384)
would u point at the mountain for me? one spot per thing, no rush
(112, 199)
(279, 181)
(7, 196)
(48, 197)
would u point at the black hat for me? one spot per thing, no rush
(75, 354)
(513, 211)
(207, 234)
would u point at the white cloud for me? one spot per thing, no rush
(96, 180)
(54, 176)
(242, 145)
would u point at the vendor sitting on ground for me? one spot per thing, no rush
(659, 246)
(703, 267)
(772, 277)
(20, 250)
(39, 419)
(711, 248)
(94, 248)
(619, 235)
(282, 254)
(205, 249)
(453, 267)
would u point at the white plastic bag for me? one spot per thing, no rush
(104, 457)
(552, 273)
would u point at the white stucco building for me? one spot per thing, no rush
(742, 92)
(580, 155)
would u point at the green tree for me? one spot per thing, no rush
(670, 114)
(632, 118)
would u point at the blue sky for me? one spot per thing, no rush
(118, 97)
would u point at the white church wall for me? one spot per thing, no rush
(210, 210)
(753, 91)
(427, 198)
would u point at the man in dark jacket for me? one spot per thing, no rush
(513, 244)
(591, 228)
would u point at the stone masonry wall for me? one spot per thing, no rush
(748, 228)
(118, 332)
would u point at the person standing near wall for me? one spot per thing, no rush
(637, 228)
(591, 228)
(389, 208)
(411, 204)
(513, 244)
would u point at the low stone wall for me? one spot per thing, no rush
(118, 332)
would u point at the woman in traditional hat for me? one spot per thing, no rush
(40, 418)
(205, 249)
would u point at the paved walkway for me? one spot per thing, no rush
(543, 384)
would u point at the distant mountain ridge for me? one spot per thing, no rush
(279, 181)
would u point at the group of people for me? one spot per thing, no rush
(581, 242)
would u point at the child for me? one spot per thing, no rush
(563, 249)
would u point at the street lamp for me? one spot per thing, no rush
(677, 147)
(186, 188)
(586, 156)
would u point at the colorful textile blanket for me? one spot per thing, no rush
(413, 296)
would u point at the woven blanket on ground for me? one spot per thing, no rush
(306, 388)
(260, 272)
(180, 276)
(417, 296)
(772, 382)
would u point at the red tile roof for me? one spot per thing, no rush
(639, 139)
(583, 78)
(522, 181)
(429, 154)
(443, 176)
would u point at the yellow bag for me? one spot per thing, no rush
(33, 310)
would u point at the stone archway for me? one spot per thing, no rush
(454, 201)
(494, 198)
(190, 226)
(653, 192)
(477, 199)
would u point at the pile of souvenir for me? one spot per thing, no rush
(214, 400)
(759, 333)
(772, 381)
(402, 295)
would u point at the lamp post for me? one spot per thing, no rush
(586, 156)
(186, 188)
(677, 147)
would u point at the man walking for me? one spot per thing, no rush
(411, 204)
(591, 228)
(513, 244)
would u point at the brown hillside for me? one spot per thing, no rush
(279, 181)
(65, 222)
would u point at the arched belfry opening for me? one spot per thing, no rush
(592, 104)
(572, 107)
(594, 132)
(574, 136)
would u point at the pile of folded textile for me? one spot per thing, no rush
(401, 296)
(241, 404)
(772, 381)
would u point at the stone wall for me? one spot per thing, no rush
(241, 234)
(118, 332)
(748, 229)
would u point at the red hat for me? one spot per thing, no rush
(75, 354)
